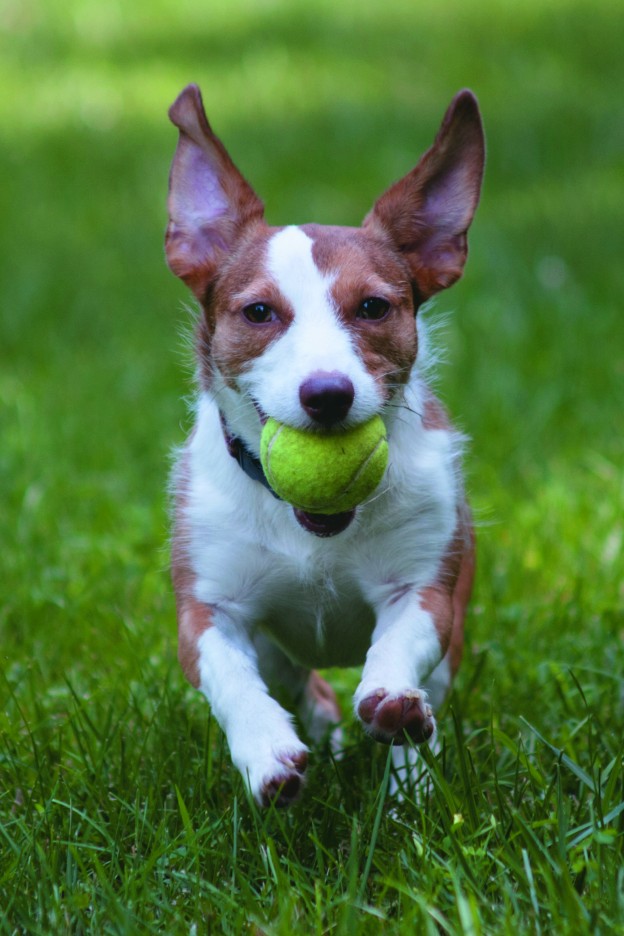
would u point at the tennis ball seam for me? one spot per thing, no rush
(361, 468)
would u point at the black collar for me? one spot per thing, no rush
(251, 465)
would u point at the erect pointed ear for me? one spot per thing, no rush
(209, 201)
(428, 212)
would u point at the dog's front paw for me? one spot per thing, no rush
(389, 717)
(283, 785)
(271, 758)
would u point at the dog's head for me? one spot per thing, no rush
(315, 325)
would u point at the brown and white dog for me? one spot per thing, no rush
(318, 327)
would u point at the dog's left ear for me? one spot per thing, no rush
(427, 213)
(210, 203)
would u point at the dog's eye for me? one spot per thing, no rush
(373, 309)
(259, 313)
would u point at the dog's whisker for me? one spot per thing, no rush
(404, 406)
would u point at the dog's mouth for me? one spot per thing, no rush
(319, 524)
(261, 414)
(324, 524)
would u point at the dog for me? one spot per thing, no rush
(318, 327)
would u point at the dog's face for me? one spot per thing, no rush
(320, 327)
(315, 325)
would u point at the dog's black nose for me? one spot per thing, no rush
(326, 397)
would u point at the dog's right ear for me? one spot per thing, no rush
(209, 200)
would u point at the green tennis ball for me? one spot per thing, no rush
(324, 473)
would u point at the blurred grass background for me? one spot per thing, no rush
(321, 105)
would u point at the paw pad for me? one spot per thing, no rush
(388, 718)
(284, 787)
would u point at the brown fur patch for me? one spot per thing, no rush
(435, 415)
(226, 339)
(320, 694)
(194, 619)
(446, 600)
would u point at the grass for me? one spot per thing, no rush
(119, 810)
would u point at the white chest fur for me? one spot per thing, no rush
(318, 598)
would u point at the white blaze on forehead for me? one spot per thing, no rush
(292, 266)
(315, 340)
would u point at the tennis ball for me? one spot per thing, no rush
(324, 473)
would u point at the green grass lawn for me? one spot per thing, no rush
(119, 810)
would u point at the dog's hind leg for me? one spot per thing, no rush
(320, 712)
(312, 696)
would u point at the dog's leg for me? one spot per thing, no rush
(405, 649)
(313, 697)
(320, 712)
(417, 643)
(262, 740)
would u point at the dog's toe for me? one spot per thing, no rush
(390, 717)
(283, 787)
